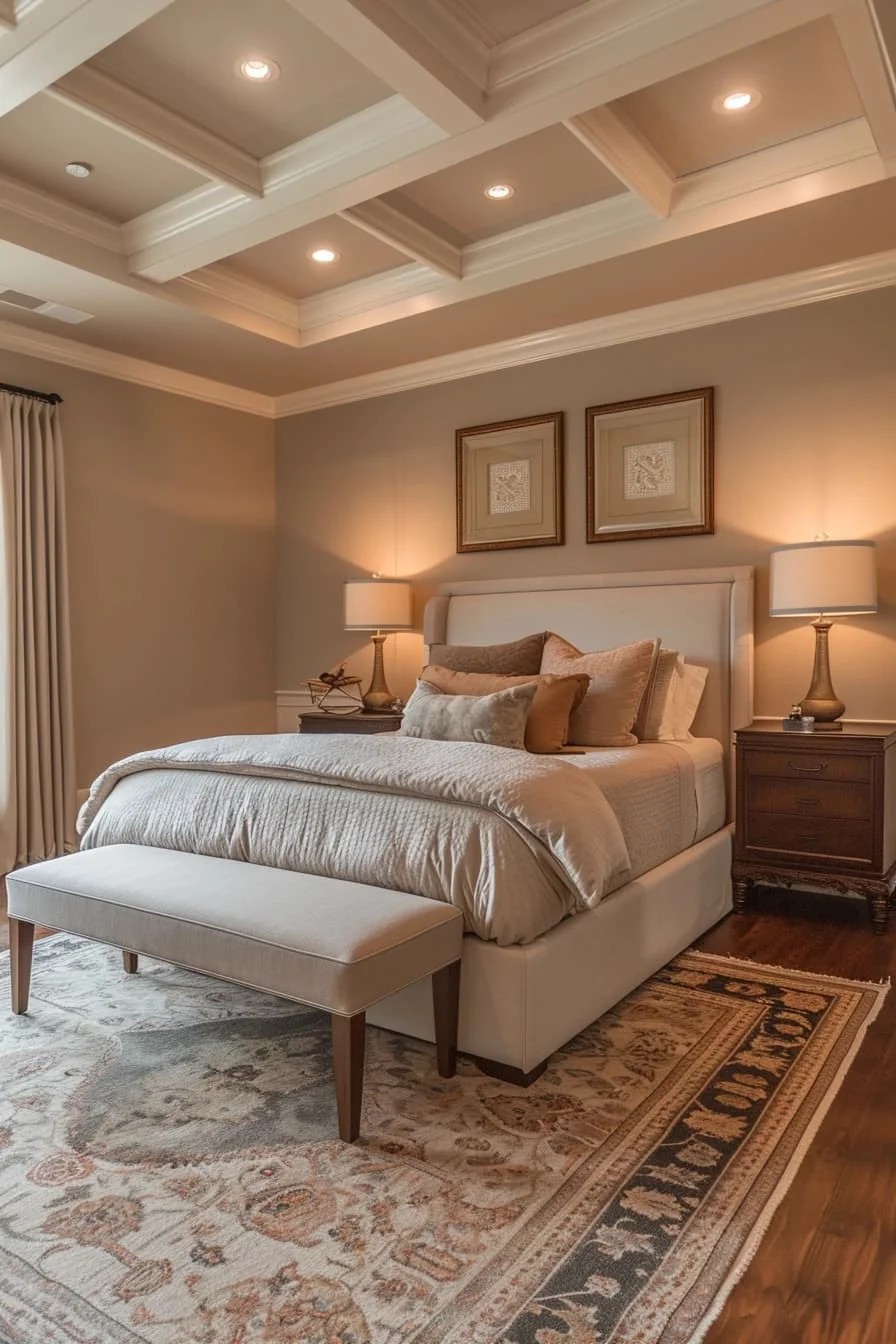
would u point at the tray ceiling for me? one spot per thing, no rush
(386, 122)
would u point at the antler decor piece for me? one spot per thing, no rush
(330, 683)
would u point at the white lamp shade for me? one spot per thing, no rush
(377, 604)
(834, 578)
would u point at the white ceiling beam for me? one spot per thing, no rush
(57, 36)
(868, 35)
(392, 144)
(831, 161)
(46, 226)
(609, 135)
(330, 171)
(402, 45)
(104, 99)
(392, 226)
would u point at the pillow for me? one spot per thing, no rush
(676, 722)
(499, 720)
(547, 727)
(658, 696)
(619, 678)
(520, 658)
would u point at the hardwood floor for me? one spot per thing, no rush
(826, 1269)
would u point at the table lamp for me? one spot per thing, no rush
(822, 579)
(380, 605)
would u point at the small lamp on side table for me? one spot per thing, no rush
(822, 579)
(380, 605)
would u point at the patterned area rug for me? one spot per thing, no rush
(168, 1172)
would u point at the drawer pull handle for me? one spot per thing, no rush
(808, 769)
(808, 802)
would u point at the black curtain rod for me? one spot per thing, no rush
(53, 398)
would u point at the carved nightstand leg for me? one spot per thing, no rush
(879, 906)
(741, 890)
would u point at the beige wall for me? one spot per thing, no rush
(171, 555)
(805, 444)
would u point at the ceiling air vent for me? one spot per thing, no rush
(59, 311)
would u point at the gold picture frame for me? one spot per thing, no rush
(649, 467)
(510, 484)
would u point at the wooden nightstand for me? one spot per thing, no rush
(817, 808)
(318, 721)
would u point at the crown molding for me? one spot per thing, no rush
(835, 281)
(94, 359)
(725, 305)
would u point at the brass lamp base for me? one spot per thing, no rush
(821, 699)
(378, 699)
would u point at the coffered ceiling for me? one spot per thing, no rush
(189, 239)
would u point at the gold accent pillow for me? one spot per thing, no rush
(618, 679)
(547, 728)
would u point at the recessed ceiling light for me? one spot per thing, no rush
(323, 255)
(258, 69)
(78, 169)
(499, 191)
(738, 100)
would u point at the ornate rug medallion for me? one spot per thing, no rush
(168, 1171)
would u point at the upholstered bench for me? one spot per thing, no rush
(336, 945)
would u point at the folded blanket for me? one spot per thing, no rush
(515, 841)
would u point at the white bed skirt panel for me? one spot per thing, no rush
(520, 1004)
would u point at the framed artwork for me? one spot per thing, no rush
(510, 484)
(649, 467)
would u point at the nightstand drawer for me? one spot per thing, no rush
(807, 835)
(809, 797)
(803, 764)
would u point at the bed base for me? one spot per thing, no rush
(520, 1004)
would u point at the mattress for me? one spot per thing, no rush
(667, 795)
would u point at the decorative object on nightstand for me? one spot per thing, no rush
(326, 690)
(322, 721)
(818, 811)
(380, 605)
(823, 579)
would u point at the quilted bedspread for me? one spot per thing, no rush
(515, 841)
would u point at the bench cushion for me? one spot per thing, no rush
(338, 945)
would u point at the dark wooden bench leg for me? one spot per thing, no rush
(130, 961)
(348, 1067)
(21, 949)
(445, 1000)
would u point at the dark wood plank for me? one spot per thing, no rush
(824, 1271)
(21, 949)
(445, 1004)
(348, 1069)
(129, 961)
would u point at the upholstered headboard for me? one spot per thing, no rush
(707, 614)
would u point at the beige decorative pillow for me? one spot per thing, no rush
(657, 699)
(499, 720)
(618, 678)
(519, 658)
(547, 728)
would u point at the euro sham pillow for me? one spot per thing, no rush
(659, 695)
(547, 727)
(681, 710)
(519, 658)
(618, 679)
(498, 720)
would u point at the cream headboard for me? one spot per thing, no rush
(707, 614)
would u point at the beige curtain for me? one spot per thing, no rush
(37, 779)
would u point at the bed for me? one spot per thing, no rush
(531, 983)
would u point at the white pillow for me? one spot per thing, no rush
(683, 703)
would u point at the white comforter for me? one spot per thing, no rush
(515, 841)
